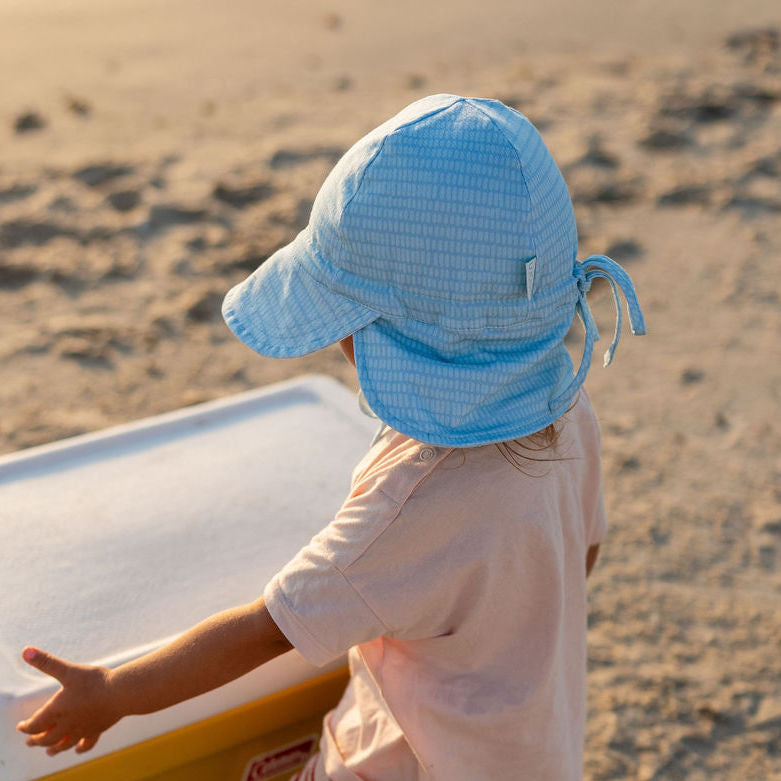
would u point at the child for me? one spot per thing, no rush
(441, 255)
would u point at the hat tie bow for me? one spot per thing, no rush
(584, 272)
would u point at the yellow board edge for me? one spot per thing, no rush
(256, 726)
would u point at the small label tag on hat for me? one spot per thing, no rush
(531, 267)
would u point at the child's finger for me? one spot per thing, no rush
(54, 735)
(46, 663)
(85, 744)
(66, 743)
(38, 723)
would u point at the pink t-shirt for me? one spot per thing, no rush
(457, 582)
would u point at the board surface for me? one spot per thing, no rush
(116, 541)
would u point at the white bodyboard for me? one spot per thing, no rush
(114, 542)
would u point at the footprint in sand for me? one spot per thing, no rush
(249, 252)
(757, 45)
(203, 306)
(685, 110)
(92, 344)
(767, 166)
(99, 174)
(692, 376)
(20, 232)
(16, 275)
(77, 106)
(665, 137)
(162, 217)
(17, 192)
(679, 114)
(239, 195)
(685, 195)
(754, 205)
(713, 104)
(625, 250)
(757, 191)
(289, 158)
(29, 121)
(63, 204)
(596, 177)
(124, 200)
(596, 155)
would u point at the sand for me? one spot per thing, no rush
(150, 157)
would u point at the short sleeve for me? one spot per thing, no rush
(312, 601)
(356, 580)
(318, 610)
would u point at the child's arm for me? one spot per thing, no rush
(92, 699)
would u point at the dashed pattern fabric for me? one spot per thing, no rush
(445, 241)
(281, 311)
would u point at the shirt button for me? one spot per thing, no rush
(427, 453)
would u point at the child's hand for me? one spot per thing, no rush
(218, 650)
(80, 711)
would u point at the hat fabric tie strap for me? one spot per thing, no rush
(584, 272)
(603, 266)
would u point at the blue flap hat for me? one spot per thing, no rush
(445, 242)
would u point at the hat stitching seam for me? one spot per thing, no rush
(476, 329)
(410, 488)
(530, 315)
(366, 167)
(379, 149)
(408, 317)
(535, 242)
(393, 291)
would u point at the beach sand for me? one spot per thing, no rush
(151, 156)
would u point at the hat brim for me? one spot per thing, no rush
(282, 311)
